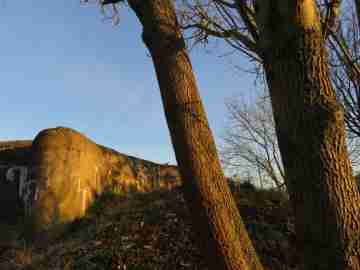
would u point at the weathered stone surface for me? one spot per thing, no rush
(15, 188)
(69, 170)
(55, 178)
(127, 173)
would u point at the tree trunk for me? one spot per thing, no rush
(311, 133)
(216, 219)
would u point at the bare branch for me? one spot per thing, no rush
(247, 14)
(250, 141)
(332, 15)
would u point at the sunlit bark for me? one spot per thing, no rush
(216, 219)
(310, 128)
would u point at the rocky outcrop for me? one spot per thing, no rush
(57, 177)
(69, 170)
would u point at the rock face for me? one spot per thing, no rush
(127, 174)
(69, 170)
(15, 157)
(60, 174)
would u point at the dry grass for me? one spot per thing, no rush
(152, 231)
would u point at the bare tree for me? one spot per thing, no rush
(288, 39)
(222, 233)
(250, 143)
(234, 22)
(344, 49)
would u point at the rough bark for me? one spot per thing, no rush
(222, 234)
(311, 133)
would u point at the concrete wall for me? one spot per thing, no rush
(55, 178)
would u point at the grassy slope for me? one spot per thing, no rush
(151, 231)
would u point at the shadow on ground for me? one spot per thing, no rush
(150, 231)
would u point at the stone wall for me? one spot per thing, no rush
(128, 173)
(55, 178)
(15, 185)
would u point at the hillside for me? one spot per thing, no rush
(150, 231)
(15, 152)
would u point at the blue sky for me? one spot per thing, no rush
(62, 66)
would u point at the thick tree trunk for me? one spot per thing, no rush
(222, 234)
(310, 129)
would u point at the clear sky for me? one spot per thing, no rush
(62, 66)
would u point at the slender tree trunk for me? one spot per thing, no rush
(311, 133)
(222, 234)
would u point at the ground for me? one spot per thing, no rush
(151, 232)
